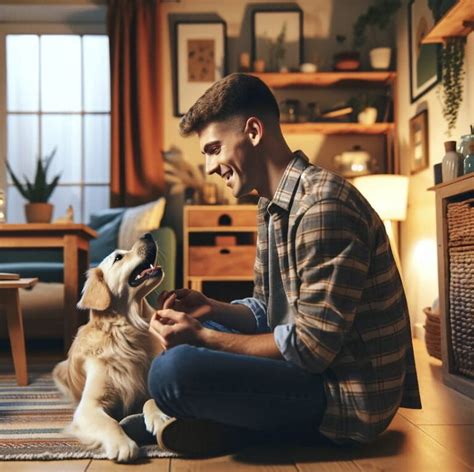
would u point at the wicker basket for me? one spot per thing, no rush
(461, 223)
(432, 333)
(461, 307)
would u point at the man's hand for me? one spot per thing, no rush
(172, 327)
(188, 301)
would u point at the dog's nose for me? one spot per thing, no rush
(147, 237)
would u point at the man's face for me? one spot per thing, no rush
(230, 153)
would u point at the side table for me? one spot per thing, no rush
(10, 297)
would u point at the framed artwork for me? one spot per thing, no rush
(277, 38)
(424, 64)
(419, 158)
(200, 60)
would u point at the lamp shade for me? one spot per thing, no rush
(387, 193)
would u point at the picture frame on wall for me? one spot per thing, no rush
(419, 157)
(200, 59)
(424, 62)
(277, 38)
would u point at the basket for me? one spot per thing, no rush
(461, 223)
(432, 333)
(461, 307)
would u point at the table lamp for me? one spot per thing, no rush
(388, 195)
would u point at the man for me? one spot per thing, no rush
(324, 345)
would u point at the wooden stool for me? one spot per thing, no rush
(10, 297)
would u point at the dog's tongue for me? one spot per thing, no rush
(146, 271)
(150, 269)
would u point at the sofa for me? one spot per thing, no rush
(116, 228)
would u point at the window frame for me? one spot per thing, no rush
(34, 29)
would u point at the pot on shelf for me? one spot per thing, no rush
(380, 58)
(368, 116)
(354, 163)
(38, 212)
(347, 61)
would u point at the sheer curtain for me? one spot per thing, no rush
(137, 122)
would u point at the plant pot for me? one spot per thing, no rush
(380, 58)
(368, 116)
(38, 212)
(347, 60)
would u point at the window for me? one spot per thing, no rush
(58, 97)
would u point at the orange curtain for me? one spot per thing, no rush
(137, 174)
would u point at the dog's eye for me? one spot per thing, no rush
(118, 257)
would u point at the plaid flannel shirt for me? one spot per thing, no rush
(351, 315)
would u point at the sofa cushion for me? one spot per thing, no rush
(139, 220)
(106, 241)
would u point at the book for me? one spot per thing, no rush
(337, 112)
(8, 276)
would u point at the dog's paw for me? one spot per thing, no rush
(123, 450)
(152, 416)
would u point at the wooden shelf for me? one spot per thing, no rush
(278, 80)
(457, 181)
(458, 21)
(337, 128)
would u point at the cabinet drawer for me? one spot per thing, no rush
(461, 223)
(232, 260)
(222, 217)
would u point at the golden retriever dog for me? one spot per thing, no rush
(106, 371)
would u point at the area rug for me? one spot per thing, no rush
(32, 419)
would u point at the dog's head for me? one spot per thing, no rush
(123, 278)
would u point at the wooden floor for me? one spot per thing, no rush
(440, 437)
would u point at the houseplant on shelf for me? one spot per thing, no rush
(38, 192)
(378, 16)
(452, 79)
(346, 60)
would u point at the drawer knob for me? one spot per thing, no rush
(225, 220)
(224, 251)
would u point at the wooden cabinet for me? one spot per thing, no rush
(455, 235)
(219, 244)
(363, 80)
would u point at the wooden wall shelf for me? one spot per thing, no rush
(458, 21)
(278, 80)
(337, 128)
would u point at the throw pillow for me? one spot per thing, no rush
(106, 241)
(102, 217)
(139, 220)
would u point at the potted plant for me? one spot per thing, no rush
(346, 60)
(452, 67)
(377, 17)
(38, 192)
(452, 79)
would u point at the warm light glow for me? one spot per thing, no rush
(387, 193)
(424, 253)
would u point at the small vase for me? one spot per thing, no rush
(469, 159)
(38, 212)
(452, 163)
(380, 58)
(259, 65)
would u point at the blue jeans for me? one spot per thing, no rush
(250, 392)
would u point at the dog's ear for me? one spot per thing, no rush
(96, 294)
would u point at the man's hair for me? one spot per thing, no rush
(234, 95)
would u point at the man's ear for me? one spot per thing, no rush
(254, 130)
(95, 294)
